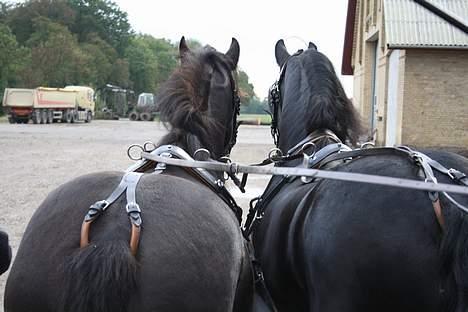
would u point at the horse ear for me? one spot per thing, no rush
(281, 53)
(183, 47)
(312, 46)
(234, 51)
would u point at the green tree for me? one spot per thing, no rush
(166, 55)
(150, 62)
(103, 17)
(21, 17)
(120, 73)
(246, 89)
(56, 56)
(101, 56)
(142, 65)
(12, 58)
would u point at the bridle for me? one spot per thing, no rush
(275, 102)
(236, 110)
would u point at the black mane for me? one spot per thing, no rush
(183, 101)
(325, 102)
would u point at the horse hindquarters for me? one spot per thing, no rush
(192, 255)
(371, 248)
(51, 272)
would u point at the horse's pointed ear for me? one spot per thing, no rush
(312, 46)
(234, 51)
(183, 47)
(281, 53)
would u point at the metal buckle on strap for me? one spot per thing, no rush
(96, 209)
(134, 212)
(455, 174)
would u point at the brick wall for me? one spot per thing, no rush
(435, 98)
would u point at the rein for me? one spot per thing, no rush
(236, 168)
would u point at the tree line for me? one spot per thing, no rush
(54, 43)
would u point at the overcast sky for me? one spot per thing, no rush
(257, 25)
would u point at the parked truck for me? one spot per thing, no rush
(47, 105)
(145, 108)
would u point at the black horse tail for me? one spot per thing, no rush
(100, 278)
(454, 252)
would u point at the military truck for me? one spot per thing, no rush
(145, 109)
(47, 105)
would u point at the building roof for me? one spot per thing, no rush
(411, 25)
(414, 24)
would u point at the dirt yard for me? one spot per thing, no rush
(35, 159)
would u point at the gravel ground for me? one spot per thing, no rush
(36, 159)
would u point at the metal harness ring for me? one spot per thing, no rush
(275, 153)
(133, 147)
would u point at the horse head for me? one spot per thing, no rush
(309, 95)
(200, 101)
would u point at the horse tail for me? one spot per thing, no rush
(100, 278)
(454, 252)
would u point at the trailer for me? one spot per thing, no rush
(47, 105)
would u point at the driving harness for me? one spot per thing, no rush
(336, 153)
(129, 182)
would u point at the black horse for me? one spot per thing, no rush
(191, 255)
(327, 245)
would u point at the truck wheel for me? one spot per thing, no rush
(44, 116)
(36, 116)
(108, 115)
(72, 117)
(68, 116)
(50, 116)
(11, 119)
(89, 117)
(145, 116)
(133, 116)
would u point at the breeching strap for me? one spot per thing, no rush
(128, 183)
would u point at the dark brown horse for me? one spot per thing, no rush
(332, 246)
(191, 255)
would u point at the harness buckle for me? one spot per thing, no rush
(96, 209)
(132, 207)
(134, 211)
(455, 174)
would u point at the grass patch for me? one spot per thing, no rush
(255, 119)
